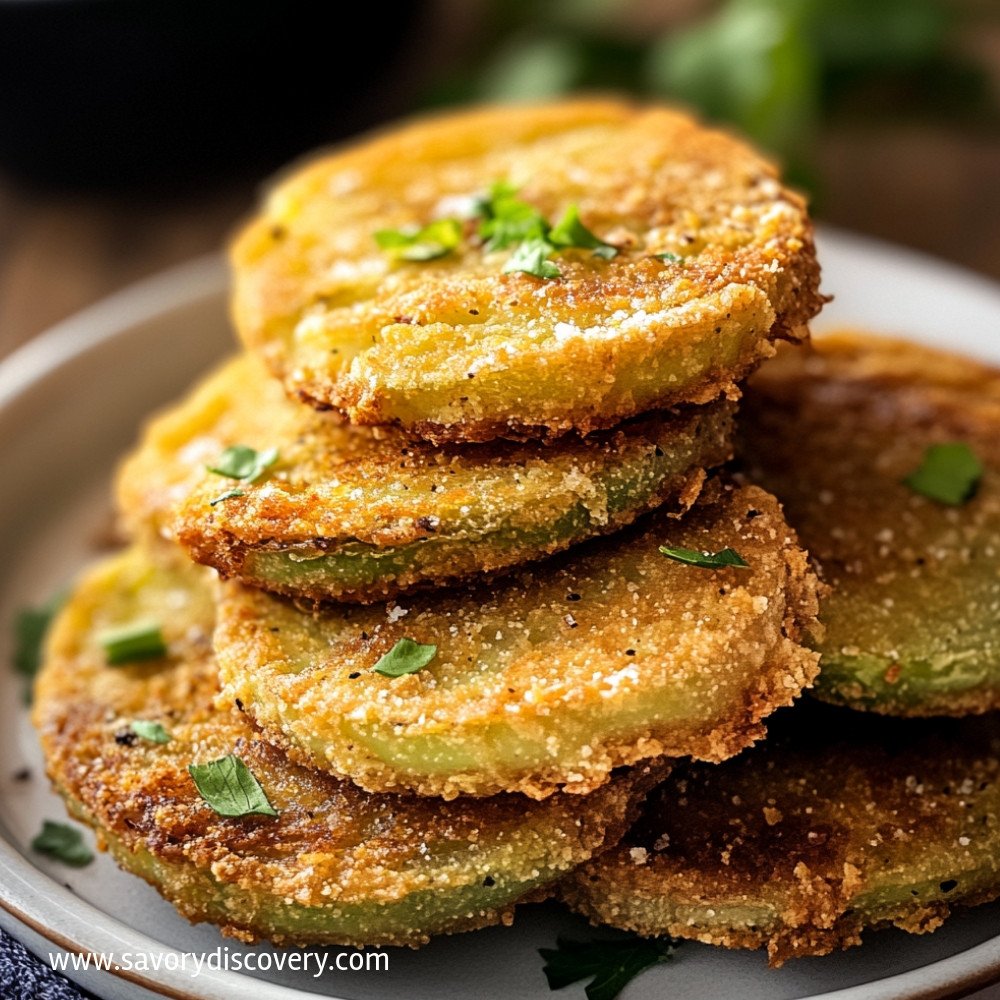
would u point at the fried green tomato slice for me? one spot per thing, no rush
(336, 864)
(361, 513)
(714, 260)
(552, 677)
(911, 623)
(838, 823)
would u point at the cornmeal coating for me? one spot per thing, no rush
(911, 620)
(337, 865)
(550, 678)
(838, 823)
(454, 348)
(362, 513)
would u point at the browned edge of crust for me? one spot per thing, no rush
(603, 835)
(229, 558)
(715, 383)
(784, 943)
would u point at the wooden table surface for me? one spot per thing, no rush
(61, 252)
(929, 187)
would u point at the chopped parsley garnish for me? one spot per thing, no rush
(228, 495)
(706, 560)
(950, 473)
(606, 251)
(133, 642)
(569, 231)
(531, 257)
(230, 788)
(505, 221)
(508, 220)
(239, 461)
(406, 657)
(436, 239)
(611, 965)
(30, 628)
(153, 732)
(668, 256)
(64, 843)
(483, 206)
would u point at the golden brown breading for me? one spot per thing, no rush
(359, 513)
(839, 822)
(911, 623)
(454, 348)
(552, 677)
(337, 865)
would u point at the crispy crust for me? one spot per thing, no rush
(551, 679)
(337, 865)
(361, 514)
(911, 620)
(454, 349)
(802, 843)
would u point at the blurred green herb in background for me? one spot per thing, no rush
(776, 69)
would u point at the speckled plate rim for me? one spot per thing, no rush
(35, 908)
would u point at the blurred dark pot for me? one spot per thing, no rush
(112, 93)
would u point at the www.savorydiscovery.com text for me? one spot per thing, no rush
(315, 963)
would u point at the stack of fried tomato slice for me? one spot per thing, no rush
(839, 822)
(430, 586)
(297, 856)
(886, 457)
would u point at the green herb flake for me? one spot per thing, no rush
(670, 258)
(228, 495)
(505, 221)
(406, 657)
(706, 560)
(485, 205)
(531, 257)
(64, 843)
(152, 732)
(242, 462)
(508, 220)
(437, 239)
(569, 231)
(949, 473)
(606, 252)
(133, 642)
(230, 788)
(30, 628)
(611, 965)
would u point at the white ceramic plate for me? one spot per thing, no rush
(71, 402)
